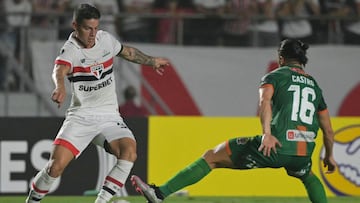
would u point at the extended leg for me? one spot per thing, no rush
(215, 158)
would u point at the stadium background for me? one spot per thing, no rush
(217, 85)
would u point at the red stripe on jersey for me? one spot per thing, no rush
(81, 69)
(38, 190)
(113, 180)
(67, 145)
(62, 62)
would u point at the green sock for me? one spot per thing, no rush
(188, 176)
(315, 189)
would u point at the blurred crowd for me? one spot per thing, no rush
(244, 23)
(203, 22)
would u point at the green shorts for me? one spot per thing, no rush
(245, 155)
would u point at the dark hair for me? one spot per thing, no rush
(85, 11)
(294, 49)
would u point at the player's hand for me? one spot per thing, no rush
(268, 144)
(160, 64)
(58, 96)
(330, 163)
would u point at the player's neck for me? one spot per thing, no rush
(296, 68)
(81, 43)
(294, 65)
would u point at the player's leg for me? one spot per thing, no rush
(300, 168)
(213, 158)
(44, 179)
(193, 173)
(125, 151)
(123, 145)
(233, 153)
(315, 189)
(73, 137)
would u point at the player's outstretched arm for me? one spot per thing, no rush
(136, 56)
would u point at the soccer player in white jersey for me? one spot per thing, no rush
(86, 59)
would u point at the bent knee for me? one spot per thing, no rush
(209, 157)
(218, 158)
(126, 153)
(208, 154)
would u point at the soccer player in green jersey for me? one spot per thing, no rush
(292, 109)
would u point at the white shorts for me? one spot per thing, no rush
(77, 131)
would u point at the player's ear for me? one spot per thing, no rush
(74, 25)
(281, 60)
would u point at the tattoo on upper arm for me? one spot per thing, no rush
(136, 56)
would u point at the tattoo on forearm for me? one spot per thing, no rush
(136, 56)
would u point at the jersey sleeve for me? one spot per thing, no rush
(66, 56)
(268, 79)
(322, 105)
(117, 46)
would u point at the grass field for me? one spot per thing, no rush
(139, 199)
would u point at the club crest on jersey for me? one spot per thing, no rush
(97, 70)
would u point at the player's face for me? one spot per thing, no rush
(86, 31)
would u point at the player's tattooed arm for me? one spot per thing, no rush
(134, 55)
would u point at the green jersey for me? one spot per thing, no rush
(296, 102)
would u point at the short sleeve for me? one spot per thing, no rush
(322, 105)
(66, 56)
(117, 46)
(268, 79)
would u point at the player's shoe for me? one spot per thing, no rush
(28, 200)
(33, 197)
(150, 192)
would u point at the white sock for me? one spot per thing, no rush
(40, 186)
(115, 180)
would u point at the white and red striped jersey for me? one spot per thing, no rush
(92, 78)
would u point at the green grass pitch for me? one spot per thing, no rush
(139, 199)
